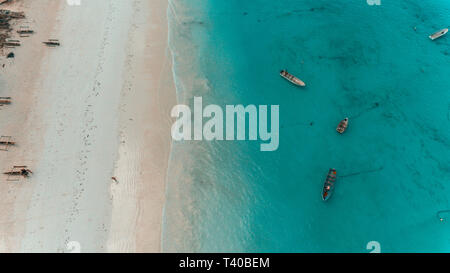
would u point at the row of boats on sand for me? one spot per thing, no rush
(328, 186)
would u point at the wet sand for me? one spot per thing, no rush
(147, 98)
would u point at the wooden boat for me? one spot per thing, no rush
(19, 171)
(52, 43)
(439, 34)
(25, 31)
(291, 78)
(5, 100)
(328, 186)
(6, 140)
(342, 126)
(4, 2)
(5, 13)
(11, 44)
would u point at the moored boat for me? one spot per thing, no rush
(439, 34)
(342, 126)
(291, 78)
(328, 186)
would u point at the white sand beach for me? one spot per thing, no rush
(94, 108)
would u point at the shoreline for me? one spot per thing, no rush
(149, 126)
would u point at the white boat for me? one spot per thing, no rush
(291, 78)
(439, 34)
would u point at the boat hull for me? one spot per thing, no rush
(292, 79)
(328, 187)
(342, 127)
(438, 34)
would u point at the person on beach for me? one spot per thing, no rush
(25, 172)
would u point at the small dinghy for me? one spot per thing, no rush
(342, 126)
(291, 78)
(439, 34)
(328, 187)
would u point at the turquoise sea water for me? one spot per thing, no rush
(374, 64)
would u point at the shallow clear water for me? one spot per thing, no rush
(374, 64)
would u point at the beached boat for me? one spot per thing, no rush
(4, 2)
(5, 100)
(11, 44)
(5, 13)
(52, 43)
(25, 31)
(291, 78)
(328, 186)
(19, 171)
(439, 34)
(342, 126)
(6, 140)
